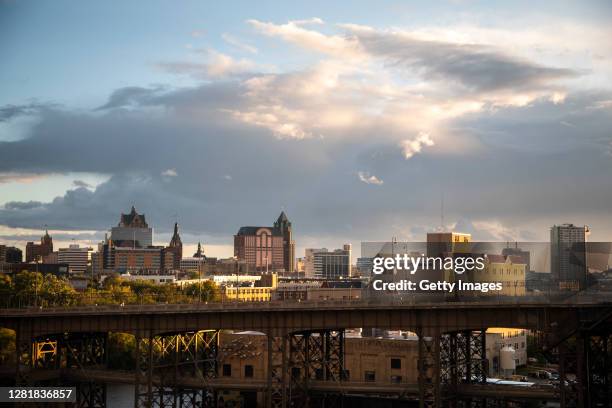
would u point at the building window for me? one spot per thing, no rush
(227, 370)
(248, 371)
(396, 363)
(396, 379)
(370, 376)
(295, 373)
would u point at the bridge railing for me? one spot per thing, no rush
(217, 300)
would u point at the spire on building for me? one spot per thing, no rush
(133, 219)
(176, 238)
(282, 222)
(199, 253)
(46, 239)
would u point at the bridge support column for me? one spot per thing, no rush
(57, 351)
(162, 360)
(448, 367)
(23, 355)
(429, 370)
(276, 396)
(463, 361)
(80, 350)
(315, 356)
(599, 369)
(91, 395)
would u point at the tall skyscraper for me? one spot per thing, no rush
(36, 251)
(283, 226)
(568, 263)
(267, 248)
(132, 230)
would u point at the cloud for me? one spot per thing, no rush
(469, 67)
(367, 178)
(81, 184)
(169, 173)
(19, 177)
(9, 112)
(283, 122)
(216, 65)
(235, 42)
(22, 205)
(294, 31)
(410, 147)
(295, 138)
(131, 95)
(475, 67)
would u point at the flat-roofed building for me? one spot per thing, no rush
(75, 256)
(322, 263)
(568, 263)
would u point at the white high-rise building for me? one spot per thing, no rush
(76, 258)
(322, 263)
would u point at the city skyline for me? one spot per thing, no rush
(357, 122)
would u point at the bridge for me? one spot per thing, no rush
(305, 347)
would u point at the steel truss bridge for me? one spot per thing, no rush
(177, 349)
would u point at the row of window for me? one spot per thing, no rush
(369, 376)
(227, 370)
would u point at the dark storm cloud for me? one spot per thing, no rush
(232, 174)
(132, 95)
(22, 205)
(475, 67)
(81, 183)
(57, 236)
(8, 112)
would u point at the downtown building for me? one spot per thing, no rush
(322, 263)
(10, 254)
(35, 252)
(267, 248)
(130, 249)
(75, 257)
(568, 263)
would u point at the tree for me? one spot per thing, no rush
(27, 286)
(57, 291)
(6, 289)
(209, 291)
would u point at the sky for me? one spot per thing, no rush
(358, 119)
